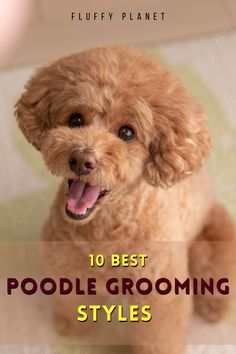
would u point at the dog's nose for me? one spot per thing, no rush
(82, 163)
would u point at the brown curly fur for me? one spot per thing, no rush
(112, 87)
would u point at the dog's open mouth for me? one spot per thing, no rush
(82, 198)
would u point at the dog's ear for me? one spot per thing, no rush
(181, 140)
(32, 109)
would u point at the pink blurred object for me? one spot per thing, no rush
(14, 15)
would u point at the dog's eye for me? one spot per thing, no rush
(126, 133)
(76, 120)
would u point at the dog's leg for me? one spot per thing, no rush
(212, 256)
(65, 315)
(167, 332)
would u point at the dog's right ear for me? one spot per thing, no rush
(32, 110)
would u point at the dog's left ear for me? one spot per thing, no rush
(181, 140)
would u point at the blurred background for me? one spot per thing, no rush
(51, 33)
(197, 40)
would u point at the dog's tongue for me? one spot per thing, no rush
(81, 196)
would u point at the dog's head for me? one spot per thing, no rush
(107, 118)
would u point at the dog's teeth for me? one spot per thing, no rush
(83, 212)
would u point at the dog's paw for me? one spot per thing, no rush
(212, 309)
(66, 327)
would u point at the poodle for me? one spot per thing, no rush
(129, 142)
